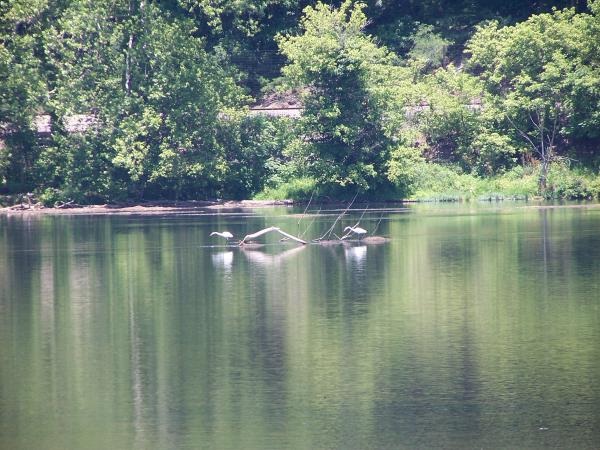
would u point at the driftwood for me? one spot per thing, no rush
(64, 205)
(26, 202)
(268, 230)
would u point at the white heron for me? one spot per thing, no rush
(356, 230)
(224, 234)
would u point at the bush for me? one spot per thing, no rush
(50, 196)
(567, 183)
(295, 189)
(594, 187)
(520, 182)
(435, 182)
(253, 148)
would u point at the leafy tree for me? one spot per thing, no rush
(544, 77)
(341, 70)
(459, 123)
(253, 152)
(163, 86)
(22, 89)
(156, 93)
(429, 47)
(241, 34)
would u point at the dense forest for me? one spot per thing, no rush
(429, 99)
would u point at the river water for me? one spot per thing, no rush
(473, 327)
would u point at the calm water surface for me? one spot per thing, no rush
(474, 327)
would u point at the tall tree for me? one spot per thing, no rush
(154, 91)
(544, 75)
(340, 71)
(22, 89)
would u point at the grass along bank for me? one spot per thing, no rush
(437, 183)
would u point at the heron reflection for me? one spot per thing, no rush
(356, 254)
(223, 260)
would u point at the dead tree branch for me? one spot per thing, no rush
(330, 230)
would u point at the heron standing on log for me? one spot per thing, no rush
(224, 234)
(360, 232)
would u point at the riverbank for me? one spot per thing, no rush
(192, 207)
(158, 207)
(432, 182)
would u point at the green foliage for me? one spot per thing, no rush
(406, 163)
(253, 153)
(22, 90)
(446, 122)
(443, 183)
(404, 166)
(295, 189)
(520, 182)
(454, 121)
(567, 183)
(50, 196)
(429, 47)
(493, 152)
(241, 33)
(157, 92)
(594, 187)
(437, 182)
(544, 79)
(247, 17)
(80, 166)
(4, 163)
(340, 69)
(163, 87)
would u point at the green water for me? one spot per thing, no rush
(474, 327)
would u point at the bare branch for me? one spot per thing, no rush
(554, 128)
(305, 209)
(524, 135)
(377, 226)
(330, 230)
(361, 216)
(310, 224)
(304, 213)
(533, 121)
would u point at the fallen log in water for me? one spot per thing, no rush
(269, 230)
(329, 242)
(366, 240)
(374, 240)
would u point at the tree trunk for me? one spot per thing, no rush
(543, 181)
